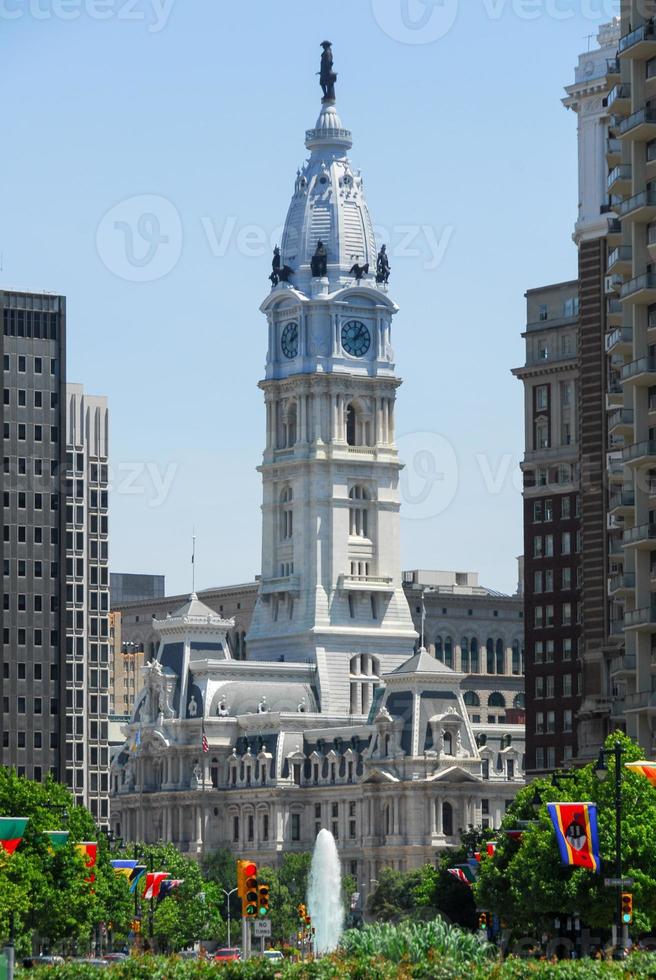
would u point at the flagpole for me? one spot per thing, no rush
(193, 560)
(423, 617)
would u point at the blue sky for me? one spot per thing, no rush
(194, 112)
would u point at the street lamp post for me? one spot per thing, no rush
(601, 771)
(227, 895)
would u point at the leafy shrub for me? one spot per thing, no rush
(415, 941)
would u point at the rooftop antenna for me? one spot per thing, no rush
(193, 560)
(423, 617)
(588, 38)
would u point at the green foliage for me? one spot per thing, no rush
(192, 911)
(47, 891)
(414, 941)
(393, 898)
(525, 882)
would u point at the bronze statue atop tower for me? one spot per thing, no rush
(327, 77)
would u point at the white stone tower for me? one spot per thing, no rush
(331, 589)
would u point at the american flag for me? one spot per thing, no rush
(204, 743)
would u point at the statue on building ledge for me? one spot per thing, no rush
(359, 271)
(382, 267)
(319, 261)
(327, 77)
(279, 272)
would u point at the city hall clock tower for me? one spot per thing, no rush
(331, 590)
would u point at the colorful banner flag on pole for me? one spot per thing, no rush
(89, 851)
(136, 875)
(124, 867)
(167, 887)
(154, 881)
(205, 745)
(646, 769)
(463, 873)
(576, 832)
(490, 848)
(11, 832)
(57, 839)
(514, 834)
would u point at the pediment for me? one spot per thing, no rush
(380, 776)
(454, 774)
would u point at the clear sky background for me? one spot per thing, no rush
(147, 158)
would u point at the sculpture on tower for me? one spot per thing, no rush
(279, 272)
(327, 77)
(382, 267)
(319, 261)
(359, 271)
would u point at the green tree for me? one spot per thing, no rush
(525, 882)
(191, 912)
(48, 892)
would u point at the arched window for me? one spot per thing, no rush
(286, 514)
(448, 652)
(489, 649)
(358, 512)
(471, 699)
(496, 700)
(516, 658)
(473, 653)
(447, 819)
(448, 743)
(506, 741)
(519, 701)
(501, 651)
(464, 655)
(439, 648)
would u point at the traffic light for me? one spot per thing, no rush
(262, 900)
(247, 887)
(249, 900)
(482, 920)
(627, 907)
(302, 912)
(308, 921)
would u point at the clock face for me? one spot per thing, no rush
(289, 340)
(356, 339)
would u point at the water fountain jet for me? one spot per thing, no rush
(324, 898)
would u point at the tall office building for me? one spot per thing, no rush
(33, 459)
(592, 437)
(88, 650)
(551, 565)
(633, 101)
(55, 637)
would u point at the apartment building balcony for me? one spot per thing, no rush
(638, 43)
(639, 126)
(640, 207)
(644, 618)
(616, 631)
(614, 312)
(619, 260)
(365, 583)
(613, 70)
(621, 585)
(613, 151)
(621, 503)
(641, 371)
(614, 233)
(615, 467)
(613, 284)
(641, 289)
(641, 537)
(619, 340)
(618, 99)
(623, 666)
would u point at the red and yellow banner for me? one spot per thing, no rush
(576, 832)
(646, 769)
(89, 851)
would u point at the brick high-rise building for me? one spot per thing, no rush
(551, 524)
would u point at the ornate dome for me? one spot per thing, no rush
(328, 205)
